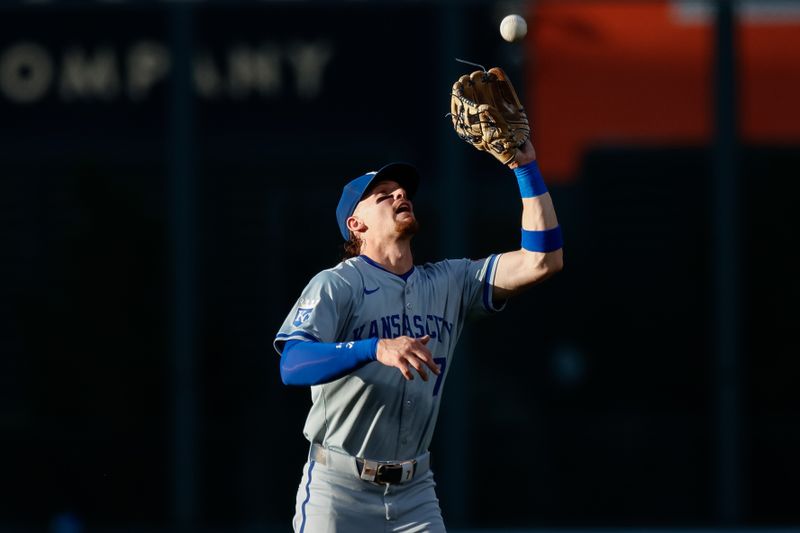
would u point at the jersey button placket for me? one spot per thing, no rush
(407, 421)
(408, 403)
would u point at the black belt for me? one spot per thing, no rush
(386, 473)
(383, 472)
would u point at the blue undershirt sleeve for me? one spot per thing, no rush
(307, 363)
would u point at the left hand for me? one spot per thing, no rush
(487, 113)
(525, 154)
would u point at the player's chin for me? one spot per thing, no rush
(406, 225)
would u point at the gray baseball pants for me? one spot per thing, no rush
(332, 498)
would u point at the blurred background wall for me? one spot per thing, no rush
(168, 178)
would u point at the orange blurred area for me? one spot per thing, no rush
(624, 73)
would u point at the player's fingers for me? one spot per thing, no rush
(403, 367)
(432, 365)
(417, 364)
(426, 357)
(424, 339)
(423, 351)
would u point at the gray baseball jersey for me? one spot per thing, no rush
(374, 412)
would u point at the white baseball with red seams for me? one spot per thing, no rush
(513, 28)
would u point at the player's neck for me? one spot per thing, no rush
(393, 256)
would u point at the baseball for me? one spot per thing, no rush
(513, 28)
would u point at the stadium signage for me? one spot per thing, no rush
(31, 72)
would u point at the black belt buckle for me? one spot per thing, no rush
(389, 474)
(392, 473)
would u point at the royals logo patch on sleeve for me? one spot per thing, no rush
(303, 314)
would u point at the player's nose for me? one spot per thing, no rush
(400, 194)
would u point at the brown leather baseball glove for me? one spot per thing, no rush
(488, 115)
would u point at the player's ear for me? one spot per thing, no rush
(355, 224)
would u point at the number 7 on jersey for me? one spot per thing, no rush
(442, 362)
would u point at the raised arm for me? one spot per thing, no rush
(523, 268)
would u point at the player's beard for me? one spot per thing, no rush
(407, 227)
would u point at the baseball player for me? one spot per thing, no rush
(374, 336)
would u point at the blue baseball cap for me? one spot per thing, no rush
(403, 173)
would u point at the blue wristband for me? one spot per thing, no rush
(542, 241)
(529, 178)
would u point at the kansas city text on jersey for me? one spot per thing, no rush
(392, 326)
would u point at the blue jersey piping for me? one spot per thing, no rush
(284, 336)
(487, 285)
(308, 497)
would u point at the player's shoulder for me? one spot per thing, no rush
(343, 274)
